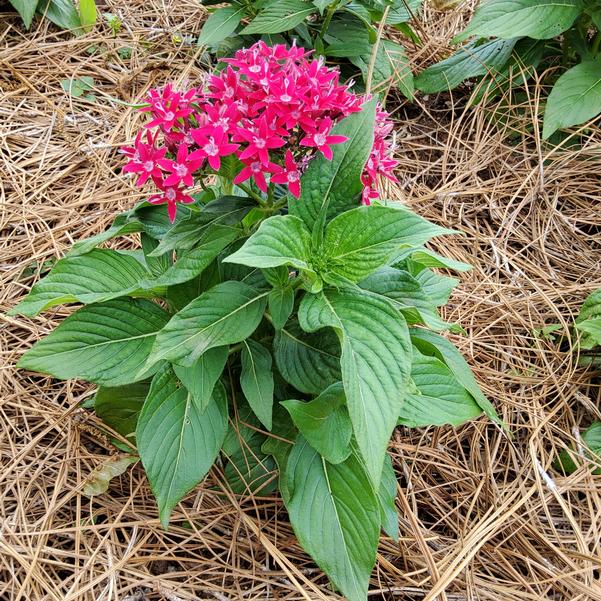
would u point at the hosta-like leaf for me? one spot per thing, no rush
(256, 380)
(280, 240)
(279, 15)
(575, 97)
(539, 19)
(324, 422)
(334, 186)
(178, 442)
(439, 398)
(281, 304)
(359, 241)
(119, 407)
(201, 377)
(375, 362)
(97, 276)
(472, 60)
(106, 343)
(220, 25)
(431, 344)
(335, 516)
(193, 261)
(225, 314)
(389, 516)
(310, 362)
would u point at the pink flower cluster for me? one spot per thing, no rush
(273, 108)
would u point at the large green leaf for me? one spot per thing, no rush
(334, 186)
(359, 241)
(256, 380)
(281, 304)
(335, 515)
(437, 288)
(177, 441)
(220, 25)
(575, 97)
(201, 377)
(589, 321)
(279, 15)
(249, 470)
(539, 19)
(188, 231)
(107, 343)
(119, 407)
(310, 362)
(26, 8)
(280, 240)
(438, 399)
(402, 11)
(99, 275)
(375, 362)
(472, 60)
(431, 344)
(193, 261)
(61, 12)
(324, 422)
(407, 295)
(225, 314)
(391, 68)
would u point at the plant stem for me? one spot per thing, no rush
(596, 44)
(252, 194)
(326, 21)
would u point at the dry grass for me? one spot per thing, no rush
(484, 516)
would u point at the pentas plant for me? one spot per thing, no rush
(272, 110)
(271, 324)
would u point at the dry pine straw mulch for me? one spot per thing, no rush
(483, 514)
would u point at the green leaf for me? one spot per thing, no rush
(225, 314)
(106, 343)
(310, 362)
(406, 294)
(87, 13)
(575, 97)
(359, 241)
(99, 275)
(280, 240)
(591, 328)
(428, 258)
(402, 11)
(79, 87)
(157, 265)
(324, 422)
(281, 304)
(569, 462)
(186, 232)
(538, 19)
(437, 288)
(333, 186)
(472, 60)
(177, 441)
(278, 16)
(389, 516)
(588, 321)
(220, 24)
(335, 515)
(391, 68)
(119, 407)
(121, 227)
(431, 344)
(193, 261)
(439, 398)
(347, 36)
(61, 12)
(321, 5)
(25, 8)
(201, 377)
(256, 380)
(375, 362)
(249, 470)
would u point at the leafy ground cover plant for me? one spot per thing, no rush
(63, 13)
(511, 38)
(281, 323)
(343, 31)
